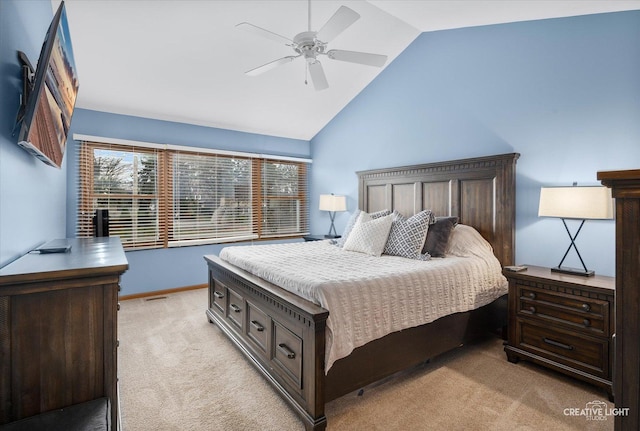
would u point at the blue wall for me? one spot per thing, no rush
(565, 93)
(32, 194)
(160, 269)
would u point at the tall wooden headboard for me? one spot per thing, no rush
(480, 191)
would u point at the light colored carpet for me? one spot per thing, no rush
(178, 372)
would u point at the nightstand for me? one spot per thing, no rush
(563, 322)
(317, 237)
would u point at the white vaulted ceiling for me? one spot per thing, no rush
(184, 60)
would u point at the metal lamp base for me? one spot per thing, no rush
(573, 271)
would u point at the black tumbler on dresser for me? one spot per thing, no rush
(101, 223)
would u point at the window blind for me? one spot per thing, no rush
(211, 199)
(125, 181)
(283, 198)
(166, 197)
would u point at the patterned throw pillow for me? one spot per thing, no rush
(408, 235)
(369, 235)
(352, 221)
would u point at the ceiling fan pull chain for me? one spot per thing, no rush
(306, 72)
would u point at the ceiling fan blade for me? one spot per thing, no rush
(271, 65)
(317, 76)
(357, 57)
(338, 23)
(264, 33)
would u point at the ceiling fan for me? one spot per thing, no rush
(312, 44)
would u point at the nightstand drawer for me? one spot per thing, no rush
(589, 315)
(585, 353)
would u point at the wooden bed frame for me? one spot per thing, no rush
(283, 335)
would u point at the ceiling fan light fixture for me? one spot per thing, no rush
(309, 44)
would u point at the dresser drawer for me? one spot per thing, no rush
(588, 315)
(217, 299)
(258, 327)
(235, 308)
(287, 353)
(590, 354)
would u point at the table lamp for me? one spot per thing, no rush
(333, 204)
(580, 203)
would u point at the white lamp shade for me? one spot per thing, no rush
(576, 202)
(333, 203)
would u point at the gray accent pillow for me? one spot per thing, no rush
(438, 236)
(408, 235)
(352, 221)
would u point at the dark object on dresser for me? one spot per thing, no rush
(625, 187)
(319, 237)
(283, 335)
(94, 415)
(58, 327)
(564, 322)
(101, 223)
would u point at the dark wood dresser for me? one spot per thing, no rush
(625, 188)
(564, 322)
(58, 328)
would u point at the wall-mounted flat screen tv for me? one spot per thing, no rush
(51, 95)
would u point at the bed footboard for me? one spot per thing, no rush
(282, 334)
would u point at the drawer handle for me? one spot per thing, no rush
(257, 325)
(557, 344)
(532, 309)
(586, 307)
(531, 295)
(235, 308)
(286, 350)
(586, 322)
(218, 294)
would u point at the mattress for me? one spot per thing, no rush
(369, 297)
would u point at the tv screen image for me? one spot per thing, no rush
(54, 89)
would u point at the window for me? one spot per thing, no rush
(159, 197)
(211, 198)
(283, 200)
(124, 181)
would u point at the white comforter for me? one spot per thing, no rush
(369, 297)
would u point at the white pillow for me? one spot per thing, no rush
(466, 241)
(352, 222)
(369, 235)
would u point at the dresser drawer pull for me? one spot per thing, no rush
(586, 307)
(532, 310)
(586, 322)
(257, 325)
(287, 351)
(531, 295)
(218, 294)
(557, 344)
(235, 308)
